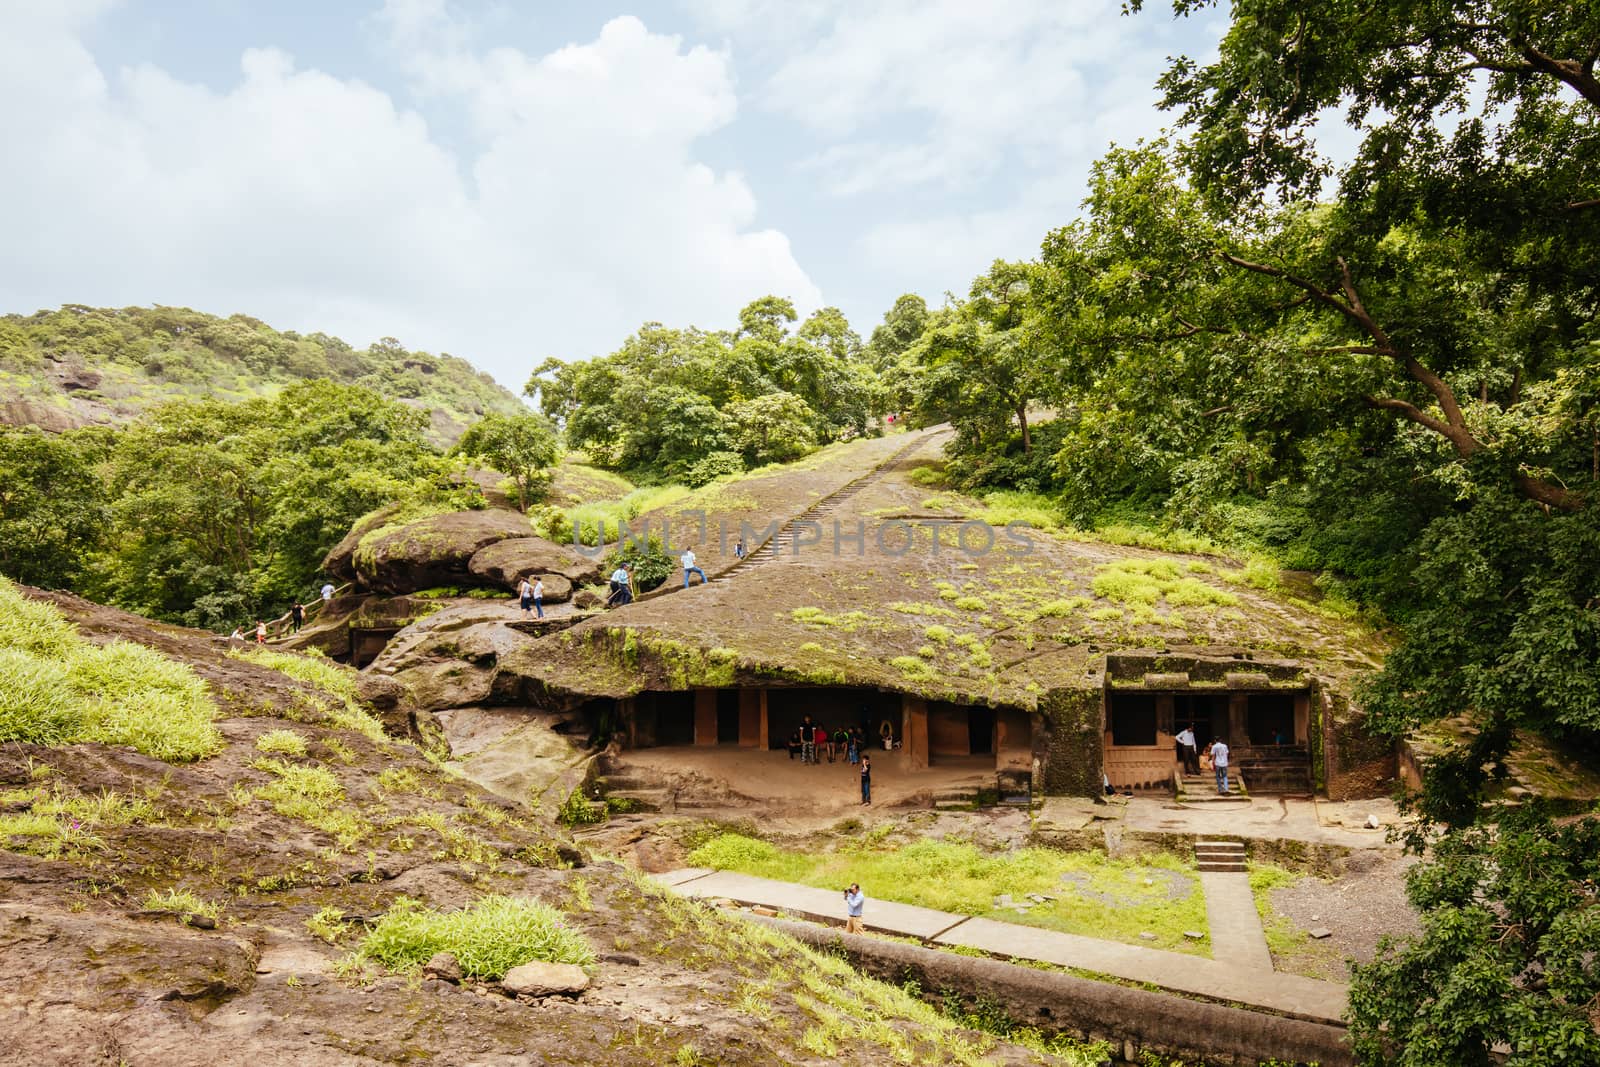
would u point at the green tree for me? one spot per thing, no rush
(52, 508)
(522, 447)
(774, 428)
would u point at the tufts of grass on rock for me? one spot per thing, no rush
(281, 743)
(489, 937)
(337, 682)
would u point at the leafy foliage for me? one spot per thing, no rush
(1507, 956)
(522, 447)
(668, 398)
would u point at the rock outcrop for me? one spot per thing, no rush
(504, 563)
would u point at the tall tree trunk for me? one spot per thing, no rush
(1022, 420)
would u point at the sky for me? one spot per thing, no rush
(510, 181)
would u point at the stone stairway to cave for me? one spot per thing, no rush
(782, 543)
(1201, 789)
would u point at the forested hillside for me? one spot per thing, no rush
(81, 366)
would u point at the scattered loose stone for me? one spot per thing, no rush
(1320, 932)
(443, 965)
(762, 909)
(1003, 900)
(1194, 935)
(621, 959)
(1147, 936)
(202, 922)
(544, 979)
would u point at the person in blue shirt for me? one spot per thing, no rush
(854, 900)
(621, 586)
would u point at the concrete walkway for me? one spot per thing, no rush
(1243, 975)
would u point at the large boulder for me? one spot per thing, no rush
(341, 558)
(431, 552)
(507, 562)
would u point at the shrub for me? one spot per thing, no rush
(733, 852)
(713, 466)
(577, 811)
(488, 938)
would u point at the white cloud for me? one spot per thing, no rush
(314, 201)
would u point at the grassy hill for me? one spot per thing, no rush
(79, 366)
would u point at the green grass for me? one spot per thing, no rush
(1144, 582)
(1004, 506)
(57, 688)
(182, 903)
(58, 824)
(959, 878)
(282, 743)
(337, 683)
(489, 937)
(314, 796)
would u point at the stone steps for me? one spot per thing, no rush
(1220, 856)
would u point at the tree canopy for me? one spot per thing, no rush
(670, 398)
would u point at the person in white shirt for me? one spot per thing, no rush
(327, 591)
(1187, 751)
(525, 596)
(538, 597)
(1219, 763)
(689, 567)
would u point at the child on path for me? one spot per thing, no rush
(866, 779)
(261, 632)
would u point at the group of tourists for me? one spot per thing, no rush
(811, 741)
(296, 619)
(531, 597)
(1215, 757)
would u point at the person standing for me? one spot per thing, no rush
(525, 597)
(1187, 751)
(841, 743)
(854, 902)
(1219, 763)
(327, 590)
(690, 567)
(866, 778)
(261, 632)
(738, 549)
(297, 618)
(808, 741)
(538, 597)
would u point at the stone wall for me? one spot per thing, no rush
(1136, 1021)
(1356, 764)
(1068, 755)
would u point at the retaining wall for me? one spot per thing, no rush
(1134, 1020)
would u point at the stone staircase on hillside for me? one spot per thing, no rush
(1219, 856)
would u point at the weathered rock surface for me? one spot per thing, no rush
(545, 979)
(431, 552)
(505, 562)
(443, 965)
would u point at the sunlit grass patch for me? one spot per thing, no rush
(57, 688)
(58, 823)
(182, 903)
(336, 681)
(312, 795)
(1136, 582)
(281, 743)
(488, 938)
(1095, 896)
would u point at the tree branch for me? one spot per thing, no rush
(1569, 71)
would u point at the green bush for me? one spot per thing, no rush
(488, 938)
(715, 465)
(651, 564)
(282, 742)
